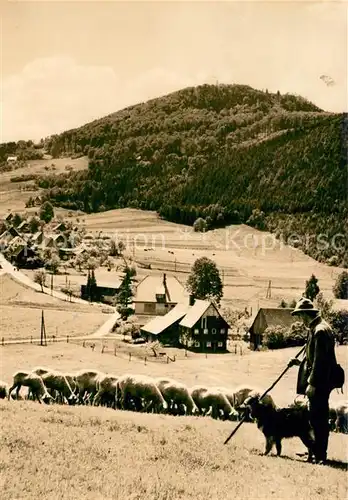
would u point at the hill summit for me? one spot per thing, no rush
(227, 153)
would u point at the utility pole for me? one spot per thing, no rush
(43, 340)
(269, 290)
(51, 284)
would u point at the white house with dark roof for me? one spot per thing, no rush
(156, 295)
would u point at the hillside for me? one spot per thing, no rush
(220, 152)
(107, 454)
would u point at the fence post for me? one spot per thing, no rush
(145, 360)
(84, 344)
(31, 339)
(2, 340)
(235, 348)
(67, 338)
(174, 357)
(167, 359)
(102, 351)
(130, 356)
(114, 350)
(241, 350)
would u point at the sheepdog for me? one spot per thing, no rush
(279, 423)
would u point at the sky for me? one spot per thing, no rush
(65, 63)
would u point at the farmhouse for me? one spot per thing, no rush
(203, 328)
(8, 236)
(198, 325)
(23, 227)
(59, 228)
(37, 238)
(165, 328)
(105, 289)
(267, 317)
(156, 295)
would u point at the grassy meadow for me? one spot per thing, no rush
(20, 313)
(63, 453)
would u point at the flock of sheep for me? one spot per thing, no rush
(141, 393)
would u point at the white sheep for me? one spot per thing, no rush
(107, 390)
(33, 382)
(87, 385)
(3, 390)
(177, 394)
(217, 405)
(140, 390)
(57, 381)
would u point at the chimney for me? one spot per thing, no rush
(192, 300)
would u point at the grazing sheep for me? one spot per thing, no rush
(71, 378)
(3, 390)
(35, 384)
(39, 370)
(341, 423)
(87, 385)
(143, 392)
(56, 381)
(107, 390)
(197, 393)
(217, 405)
(177, 394)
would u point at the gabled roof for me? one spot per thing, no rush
(196, 312)
(160, 323)
(276, 316)
(147, 289)
(24, 223)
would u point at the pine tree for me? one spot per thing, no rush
(93, 288)
(312, 288)
(125, 293)
(88, 286)
(340, 288)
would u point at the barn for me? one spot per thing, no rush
(165, 329)
(268, 317)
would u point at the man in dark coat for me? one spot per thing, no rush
(315, 373)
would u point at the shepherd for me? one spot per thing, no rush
(318, 374)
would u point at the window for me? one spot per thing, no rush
(208, 344)
(196, 331)
(197, 344)
(205, 331)
(220, 344)
(204, 322)
(222, 330)
(213, 331)
(150, 308)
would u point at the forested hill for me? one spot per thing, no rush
(218, 152)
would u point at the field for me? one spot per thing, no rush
(20, 312)
(13, 195)
(107, 454)
(98, 454)
(249, 260)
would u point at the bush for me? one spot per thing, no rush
(340, 288)
(200, 225)
(274, 337)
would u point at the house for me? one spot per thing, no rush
(37, 238)
(60, 228)
(105, 289)
(9, 217)
(23, 227)
(12, 159)
(165, 329)
(268, 317)
(53, 241)
(203, 328)
(20, 254)
(156, 295)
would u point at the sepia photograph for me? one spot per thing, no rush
(173, 249)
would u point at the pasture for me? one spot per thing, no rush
(248, 259)
(94, 453)
(13, 195)
(20, 311)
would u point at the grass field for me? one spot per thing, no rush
(20, 313)
(101, 454)
(248, 259)
(13, 195)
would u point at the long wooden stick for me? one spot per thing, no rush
(263, 395)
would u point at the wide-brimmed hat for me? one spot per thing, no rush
(304, 305)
